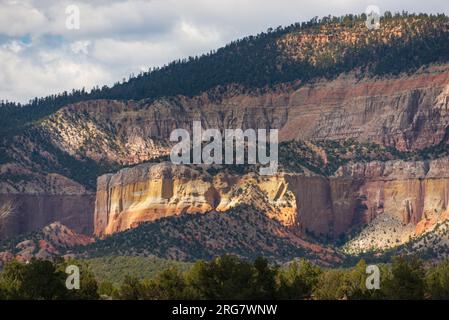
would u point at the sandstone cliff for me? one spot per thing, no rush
(149, 192)
(413, 193)
(37, 199)
(399, 199)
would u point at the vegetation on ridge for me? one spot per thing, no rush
(242, 231)
(403, 43)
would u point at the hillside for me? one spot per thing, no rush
(241, 231)
(363, 156)
(52, 241)
(432, 246)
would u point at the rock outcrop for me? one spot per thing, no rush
(149, 192)
(53, 240)
(37, 199)
(409, 191)
(398, 200)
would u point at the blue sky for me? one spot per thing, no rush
(40, 56)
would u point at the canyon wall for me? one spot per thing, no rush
(412, 192)
(34, 211)
(415, 193)
(35, 199)
(408, 112)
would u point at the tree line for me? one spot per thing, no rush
(229, 277)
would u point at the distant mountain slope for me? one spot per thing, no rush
(85, 140)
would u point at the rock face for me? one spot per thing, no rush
(410, 191)
(38, 195)
(36, 199)
(414, 193)
(407, 112)
(149, 192)
(34, 211)
(37, 202)
(108, 131)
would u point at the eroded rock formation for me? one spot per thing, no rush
(149, 192)
(414, 193)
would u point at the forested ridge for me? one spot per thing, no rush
(296, 52)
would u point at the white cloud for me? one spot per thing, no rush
(79, 47)
(19, 17)
(45, 72)
(13, 46)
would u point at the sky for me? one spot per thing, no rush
(44, 51)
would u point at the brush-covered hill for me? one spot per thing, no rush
(241, 231)
(51, 241)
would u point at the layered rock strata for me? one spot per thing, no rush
(414, 193)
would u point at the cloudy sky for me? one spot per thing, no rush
(40, 55)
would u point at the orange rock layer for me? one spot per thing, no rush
(416, 193)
